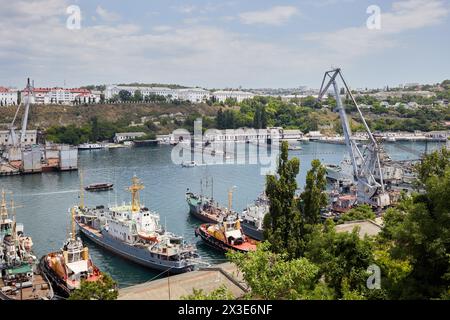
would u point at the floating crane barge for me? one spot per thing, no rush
(18, 157)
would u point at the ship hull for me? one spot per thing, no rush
(215, 243)
(195, 209)
(137, 255)
(201, 217)
(59, 286)
(252, 232)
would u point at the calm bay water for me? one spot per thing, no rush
(46, 198)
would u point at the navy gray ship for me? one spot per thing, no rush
(134, 232)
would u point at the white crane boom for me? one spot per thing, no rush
(365, 163)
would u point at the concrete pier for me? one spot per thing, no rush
(177, 286)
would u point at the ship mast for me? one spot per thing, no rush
(72, 211)
(81, 190)
(135, 187)
(230, 197)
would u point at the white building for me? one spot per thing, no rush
(8, 96)
(194, 95)
(293, 134)
(113, 90)
(127, 136)
(221, 96)
(60, 96)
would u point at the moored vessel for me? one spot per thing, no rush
(20, 274)
(99, 187)
(253, 218)
(91, 146)
(134, 232)
(71, 265)
(226, 236)
(206, 209)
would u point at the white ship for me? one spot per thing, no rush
(91, 146)
(134, 232)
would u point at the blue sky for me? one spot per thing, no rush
(226, 43)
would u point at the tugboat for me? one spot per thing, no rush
(134, 232)
(99, 187)
(20, 275)
(69, 266)
(226, 236)
(253, 217)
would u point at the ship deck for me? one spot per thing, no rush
(92, 230)
(39, 290)
(246, 246)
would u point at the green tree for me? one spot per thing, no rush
(274, 276)
(282, 224)
(138, 96)
(221, 293)
(124, 95)
(343, 259)
(361, 212)
(104, 289)
(418, 231)
(95, 131)
(314, 198)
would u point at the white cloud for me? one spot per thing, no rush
(107, 15)
(162, 28)
(187, 54)
(274, 16)
(186, 9)
(404, 16)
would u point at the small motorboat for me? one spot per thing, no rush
(99, 187)
(190, 164)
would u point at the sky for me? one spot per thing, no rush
(223, 44)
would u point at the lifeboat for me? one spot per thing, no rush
(148, 237)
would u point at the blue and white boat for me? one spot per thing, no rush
(134, 232)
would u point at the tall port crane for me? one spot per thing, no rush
(12, 133)
(365, 161)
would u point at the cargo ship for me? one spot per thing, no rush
(134, 232)
(226, 236)
(71, 265)
(20, 275)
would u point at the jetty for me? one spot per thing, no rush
(177, 286)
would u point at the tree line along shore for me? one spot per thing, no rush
(76, 124)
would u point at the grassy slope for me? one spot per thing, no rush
(44, 116)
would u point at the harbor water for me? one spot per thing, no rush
(44, 199)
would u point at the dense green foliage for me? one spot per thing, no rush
(283, 223)
(273, 276)
(313, 198)
(412, 250)
(307, 114)
(361, 212)
(418, 231)
(343, 259)
(262, 112)
(221, 293)
(104, 289)
(95, 130)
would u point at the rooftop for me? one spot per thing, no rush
(367, 227)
